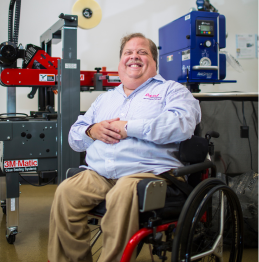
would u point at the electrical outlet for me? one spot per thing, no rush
(244, 131)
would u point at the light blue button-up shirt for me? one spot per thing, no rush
(160, 115)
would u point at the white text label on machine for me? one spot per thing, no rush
(70, 66)
(186, 55)
(12, 204)
(21, 165)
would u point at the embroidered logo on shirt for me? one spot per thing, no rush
(152, 97)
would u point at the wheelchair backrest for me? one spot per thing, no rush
(194, 150)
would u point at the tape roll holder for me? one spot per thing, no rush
(69, 18)
(87, 13)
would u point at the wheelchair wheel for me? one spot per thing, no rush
(210, 227)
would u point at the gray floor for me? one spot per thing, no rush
(31, 243)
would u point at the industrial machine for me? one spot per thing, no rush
(189, 48)
(37, 142)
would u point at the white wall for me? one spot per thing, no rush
(100, 45)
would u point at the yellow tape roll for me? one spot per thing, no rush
(89, 13)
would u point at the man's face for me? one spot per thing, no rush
(136, 61)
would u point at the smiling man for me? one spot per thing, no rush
(129, 133)
(137, 63)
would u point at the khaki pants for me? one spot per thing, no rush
(69, 234)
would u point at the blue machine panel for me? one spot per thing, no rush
(172, 37)
(190, 46)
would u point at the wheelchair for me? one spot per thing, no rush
(200, 222)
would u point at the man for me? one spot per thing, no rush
(129, 133)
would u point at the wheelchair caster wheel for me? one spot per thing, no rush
(10, 239)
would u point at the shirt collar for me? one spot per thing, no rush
(159, 78)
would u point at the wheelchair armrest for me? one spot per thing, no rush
(151, 194)
(186, 170)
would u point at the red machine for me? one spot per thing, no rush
(40, 69)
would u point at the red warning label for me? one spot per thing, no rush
(82, 77)
(21, 165)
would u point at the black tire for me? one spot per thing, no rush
(10, 239)
(196, 233)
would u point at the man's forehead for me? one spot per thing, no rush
(137, 43)
(138, 48)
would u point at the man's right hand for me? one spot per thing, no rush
(105, 132)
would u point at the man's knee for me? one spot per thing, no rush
(62, 189)
(69, 187)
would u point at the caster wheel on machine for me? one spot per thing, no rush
(11, 239)
(4, 210)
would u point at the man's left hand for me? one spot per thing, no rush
(121, 126)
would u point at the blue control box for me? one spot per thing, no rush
(189, 48)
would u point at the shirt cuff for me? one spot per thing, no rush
(85, 137)
(135, 128)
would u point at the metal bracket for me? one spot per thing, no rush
(11, 231)
(32, 93)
